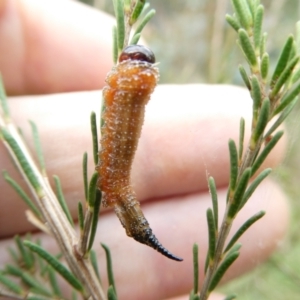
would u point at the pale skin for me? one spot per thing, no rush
(60, 46)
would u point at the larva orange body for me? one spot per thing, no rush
(129, 86)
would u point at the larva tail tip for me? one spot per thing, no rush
(161, 249)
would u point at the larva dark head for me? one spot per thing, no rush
(137, 52)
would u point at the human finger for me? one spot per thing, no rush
(53, 46)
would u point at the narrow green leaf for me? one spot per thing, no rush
(296, 76)
(233, 22)
(227, 262)
(92, 190)
(241, 138)
(145, 20)
(262, 121)
(111, 295)
(282, 117)
(211, 233)
(14, 255)
(256, 96)
(9, 284)
(243, 229)
(119, 14)
(239, 193)
(54, 283)
(28, 279)
(256, 182)
(137, 11)
(62, 200)
(243, 13)
(196, 268)
(38, 147)
(22, 194)
(284, 76)
(265, 152)
(135, 39)
(96, 210)
(247, 48)
(85, 174)
(115, 45)
(26, 258)
(109, 266)
(283, 60)
(93, 258)
(287, 99)
(80, 216)
(3, 101)
(55, 264)
(22, 161)
(234, 165)
(245, 77)
(264, 66)
(95, 137)
(214, 197)
(263, 42)
(258, 19)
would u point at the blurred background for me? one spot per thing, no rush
(193, 44)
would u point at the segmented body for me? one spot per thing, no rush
(129, 87)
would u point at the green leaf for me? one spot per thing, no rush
(214, 197)
(241, 138)
(263, 119)
(239, 193)
(96, 210)
(256, 96)
(137, 11)
(94, 137)
(282, 117)
(287, 99)
(296, 76)
(24, 164)
(284, 76)
(243, 13)
(145, 20)
(258, 19)
(10, 285)
(119, 13)
(233, 22)
(256, 182)
(227, 262)
(265, 152)
(92, 190)
(62, 200)
(211, 233)
(247, 48)
(283, 60)
(85, 174)
(80, 216)
(26, 256)
(230, 297)
(245, 77)
(264, 66)
(115, 45)
(234, 165)
(22, 194)
(28, 279)
(93, 258)
(54, 283)
(3, 101)
(243, 229)
(262, 48)
(55, 264)
(196, 268)
(38, 147)
(135, 39)
(111, 295)
(110, 273)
